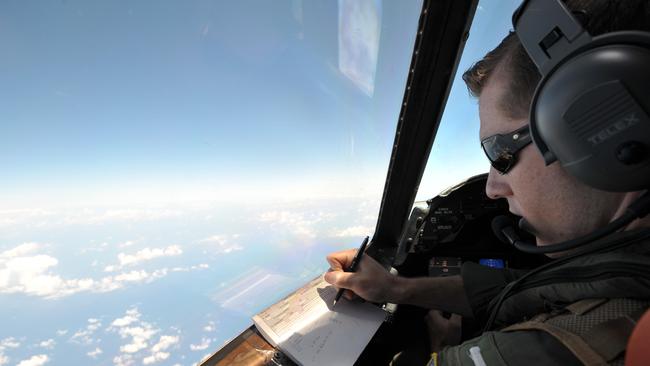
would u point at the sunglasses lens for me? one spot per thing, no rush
(502, 164)
(499, 156)
(501, 149)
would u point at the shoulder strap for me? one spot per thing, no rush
(573, 342)
(601, 344)
(610, 338)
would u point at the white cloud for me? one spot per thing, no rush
(22, 216)
(100, 248)
(126, 244)
(138, 276)
(10, 342)
(48, 344)
(165, 342)
(85, 216)
(157, 357)
(144, 255)
(123, 360)
(110, 268)
(61, 332)
(222, 243)
(138, 332)
(20, 273)
(84, 336)
(294, 222)
(191, 268)
(23, 271)
(94, 353)
(158, 350)
(139, 337)
(210, 327)
(148, 254)
(354, 231)
(132, 315)
(21, 250)
(101, 216)
(37, 360)
(205, 343)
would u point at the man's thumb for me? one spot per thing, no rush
(331, 277)
(338, 278)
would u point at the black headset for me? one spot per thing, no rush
(590, 109)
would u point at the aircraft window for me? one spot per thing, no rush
(456, 153)
(171, 168)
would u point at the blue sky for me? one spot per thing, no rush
(456, 153)
(170, 168)
(168, 93)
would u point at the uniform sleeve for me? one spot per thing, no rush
(483, 283)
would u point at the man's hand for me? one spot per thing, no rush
(374, 283)
(443, 331)
(371, 281)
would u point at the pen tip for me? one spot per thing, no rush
(334, 303)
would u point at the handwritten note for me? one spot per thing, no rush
(308, 330)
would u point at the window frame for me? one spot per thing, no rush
(442, 31)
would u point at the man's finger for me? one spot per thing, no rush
(339, 279)
(341, 260)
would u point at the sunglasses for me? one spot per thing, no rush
(502, 149)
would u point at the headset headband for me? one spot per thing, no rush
(551, 40)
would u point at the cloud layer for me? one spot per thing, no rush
(23, 270)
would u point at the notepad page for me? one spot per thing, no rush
(306, 327)
(337, 336)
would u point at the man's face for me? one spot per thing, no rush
(556, 205)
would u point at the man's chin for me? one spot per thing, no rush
(526, 226)
(540, 242)
(540, 239)
(543, 241)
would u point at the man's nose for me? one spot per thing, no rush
(496, 186)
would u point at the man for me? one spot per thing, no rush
(556, 207)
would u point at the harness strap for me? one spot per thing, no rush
(573, 342)
(583, 306)
(610, 338)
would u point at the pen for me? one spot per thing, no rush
(353, 267)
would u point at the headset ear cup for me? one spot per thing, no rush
(591, 113)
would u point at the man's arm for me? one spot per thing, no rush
(442, 293)
(373, 283)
